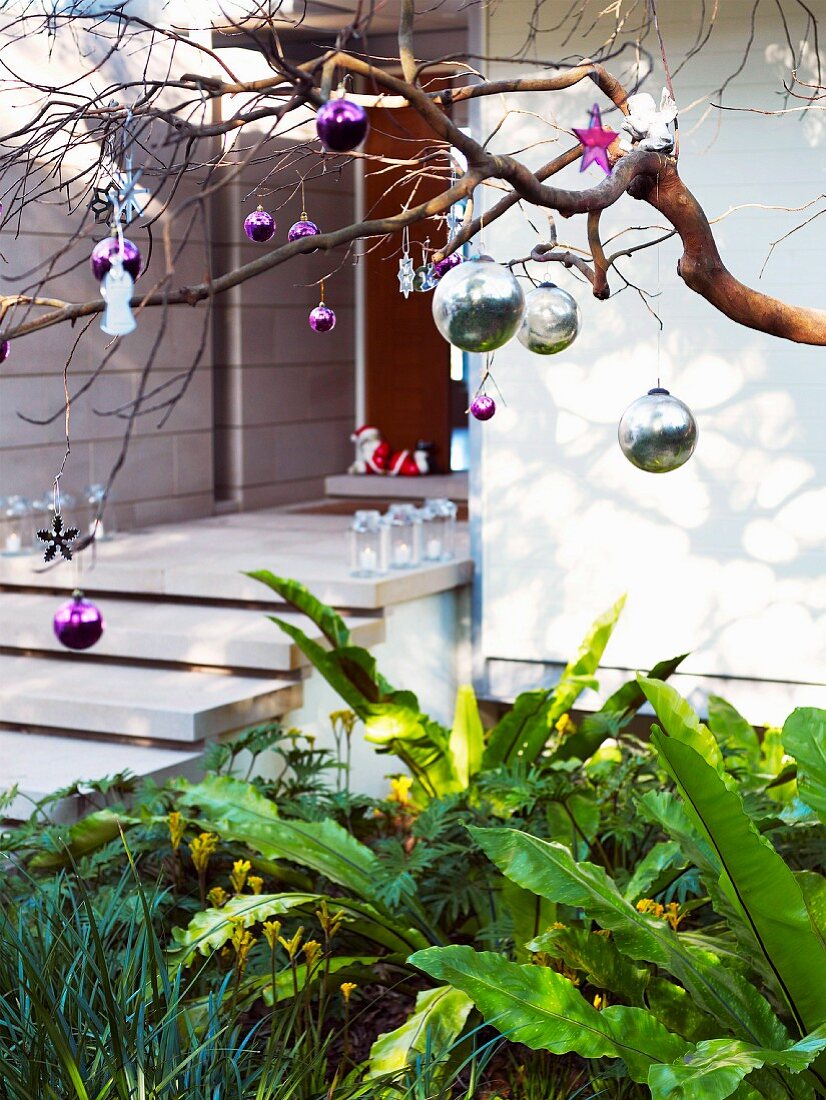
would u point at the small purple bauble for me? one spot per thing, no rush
(78, 624)
(105, 250)
(483, 407)
(322, 318)
(445, 265)
(5, 348)
(259, 226)
(301, 229)
(341, 125)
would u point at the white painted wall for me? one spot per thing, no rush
(724, 557)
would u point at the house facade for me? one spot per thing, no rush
(722, 559)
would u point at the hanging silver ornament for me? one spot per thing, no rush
(551, 320)
(424, 278)
(478, 306)
(658, 432)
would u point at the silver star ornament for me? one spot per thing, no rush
(405, 275)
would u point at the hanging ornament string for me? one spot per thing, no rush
(56, 539)
(653, 6)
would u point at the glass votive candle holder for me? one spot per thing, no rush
(108, 525)
(439, 529)
(366, 544)
(18, 526)
(404, 527)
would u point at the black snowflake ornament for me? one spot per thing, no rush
(58, 539)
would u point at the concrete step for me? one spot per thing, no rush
(40, 764)
(154, 704)
(178, 633)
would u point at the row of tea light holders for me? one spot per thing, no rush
(20, 519)
(406, 536)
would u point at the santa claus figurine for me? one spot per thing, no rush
(372, 451)
(374, 456)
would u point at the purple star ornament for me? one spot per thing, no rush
(596, 141)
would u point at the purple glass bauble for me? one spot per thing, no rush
(301, 229)
(443, 266)
(322, 318)
(341, 125)
(78, 624)
(5, 348)
(483, 407)
(259, 226)
(105, 250)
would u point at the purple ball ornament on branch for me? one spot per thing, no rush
(322, 318)
(341, 124)
(259, 226)
(78, 624)
(104, 252)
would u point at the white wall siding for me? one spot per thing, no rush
(725, 556)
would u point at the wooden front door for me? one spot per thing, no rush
(407, 363)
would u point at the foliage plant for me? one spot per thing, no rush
(535, 864)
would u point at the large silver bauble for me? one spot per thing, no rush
(478, 306)
(551, 320)
(658, 432)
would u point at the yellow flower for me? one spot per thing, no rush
(217, 896)
(312, 953)
(673, 914)
(330, 922)
(346, 989)
(291, 946)
(599, 1001)
(400, 789)
(242, 941)
(201, 848)
(345, 719)
(565, 725)
(271, 930)
(177, 828)
(310, 738)
(255, 883)
(238, 878)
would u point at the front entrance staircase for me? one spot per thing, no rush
(188, 654)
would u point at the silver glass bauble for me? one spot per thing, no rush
(478, 306)
(658, 432)
(551, 320)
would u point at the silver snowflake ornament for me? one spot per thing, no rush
(58, 539)
(405, 275)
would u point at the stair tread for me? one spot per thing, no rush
(149, 630)
(39, 764)
(136, 701)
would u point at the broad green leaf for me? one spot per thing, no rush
(574, 821)
(813, 888)
(680, 720)
(734, 734)
(339, 966)
(715, 1068)
(756, 880)
(598, 959)
(325, 618)
(467, 737)
(434, 1025)
(804, 738)
(238, 811)
(421, 743)
(657, 869)
(327, 663)
(674, 1008)
(524, 730)
(549, 869)
(613, 715)
(210, 929)
(529, 916)
(540, 1008)
(82, 838)
(526, 723)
